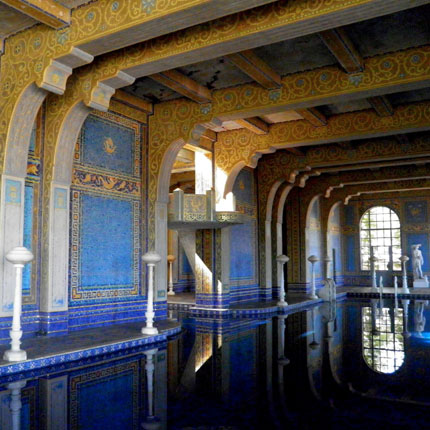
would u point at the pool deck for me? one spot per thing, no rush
(186, 302)
(47, 351)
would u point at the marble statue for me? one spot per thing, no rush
(417, 262)
(420, 281)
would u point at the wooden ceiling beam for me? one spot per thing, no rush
(381, 105)
(133, 101)
(183, 85)
(256, 68)
(255, 124)
(48, 12)
(313, 116)
(342, 48)
(295, 151)
(209, 135)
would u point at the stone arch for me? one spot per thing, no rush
(18, 137)
(13, 183)
(66, 141)
(268, 232)
(227, 188)
(55, 248)
(328, 237)
(169, 158)
(161, 214)
(313, 237)
(279, 226)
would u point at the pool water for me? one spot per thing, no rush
(349, 365)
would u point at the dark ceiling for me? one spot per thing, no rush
(382, 35)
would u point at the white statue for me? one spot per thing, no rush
(417, 262)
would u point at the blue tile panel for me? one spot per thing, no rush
(349, 215)
(416, 212)
(106, 242)
(13, 191)
(107, 145)
(243, 241)
(106, 220)
(242, 252)
(28, 235)
(350, 253)
(244, 187)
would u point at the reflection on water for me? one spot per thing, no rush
(347, 365)
(383, 343)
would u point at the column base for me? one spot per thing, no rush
(10, 355)
(149, 330)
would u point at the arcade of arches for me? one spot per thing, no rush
(220, 133)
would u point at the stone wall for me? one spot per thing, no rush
(243, 241)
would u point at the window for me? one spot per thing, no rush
(380, 231)
(383, 342)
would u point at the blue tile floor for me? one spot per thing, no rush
(46, 351)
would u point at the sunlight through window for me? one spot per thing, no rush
(380, 230)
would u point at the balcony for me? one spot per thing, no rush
(197, 211)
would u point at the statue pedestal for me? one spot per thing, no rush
(421, 283)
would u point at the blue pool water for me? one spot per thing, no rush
(351, 365)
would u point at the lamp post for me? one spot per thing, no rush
(373, 260)
(282, 259)
(18, 256)
(151, 259)
(171, 259)
(313, 259)
(404, 259)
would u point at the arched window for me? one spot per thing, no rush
(380, 231)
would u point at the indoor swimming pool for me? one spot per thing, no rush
(350, 365)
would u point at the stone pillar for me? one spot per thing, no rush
(11, 236)
(55, 272)
(223, 266)
(268, 255)
(279, 251)
(160, 293)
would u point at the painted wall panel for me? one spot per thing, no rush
(107, 241)
(350, 253)
(107, 145)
